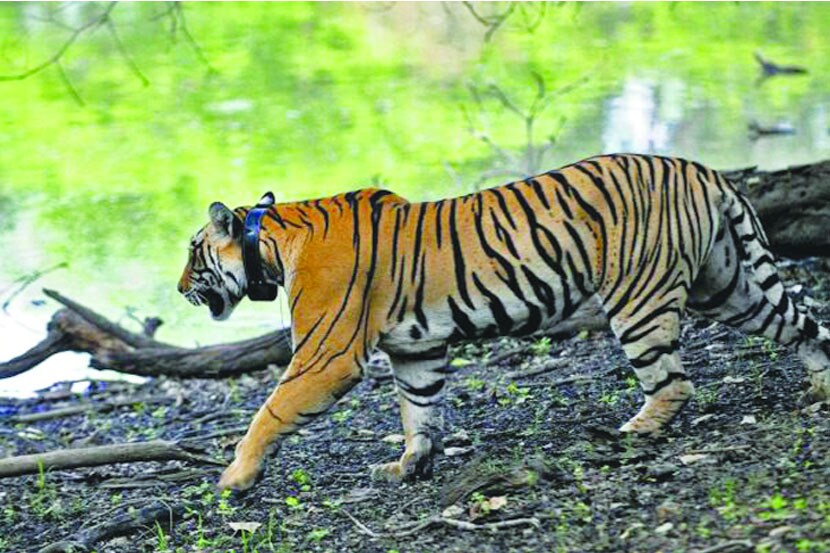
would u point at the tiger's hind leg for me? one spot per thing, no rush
(739, 286)
(420, 380)
(650, 342)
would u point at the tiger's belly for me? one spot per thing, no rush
(504, 312)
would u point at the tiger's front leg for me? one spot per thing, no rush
(420, 380)
(303, 393)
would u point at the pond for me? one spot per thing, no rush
(109, 159)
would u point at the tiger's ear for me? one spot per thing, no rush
(223, 219)
(267, 199)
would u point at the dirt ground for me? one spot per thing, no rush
(532, 462)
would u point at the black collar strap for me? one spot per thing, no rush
(259, 289)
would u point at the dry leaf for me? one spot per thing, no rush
(664, 528)
(692, 458)
(497, 502)
(394, 439)
(748, 419)
(701, 419)
(244, 526)
(456, 451)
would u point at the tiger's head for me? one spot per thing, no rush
(215, 274)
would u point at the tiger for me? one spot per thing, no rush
(648, 237)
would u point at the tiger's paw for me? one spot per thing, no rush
(819, 387)
(388, 472)
(407, 469)
(643, 426)
(240, 475)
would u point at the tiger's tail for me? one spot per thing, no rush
(767, 308)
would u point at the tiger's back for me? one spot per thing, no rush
(519, 258)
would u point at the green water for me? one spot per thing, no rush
(313, 99)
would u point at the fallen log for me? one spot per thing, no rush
(78, 328)
(793, 205)
(156, 450)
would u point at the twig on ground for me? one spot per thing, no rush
(498, 358)
(221, 433)
(736, 545)
(551, 365)
(100, 407)
(156, 450)
(719, 449)
(152, 479)
(408, 530)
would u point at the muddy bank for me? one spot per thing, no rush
(533, 462)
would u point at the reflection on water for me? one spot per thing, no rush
(633, 122)
(313, 99)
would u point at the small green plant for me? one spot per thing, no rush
(293, 502)
(161, 538)
(777, 507)
(610, 398)
(201, 541)
(805, 545)
(474, 384)
(302, 479)
(723, 499)
(515, 394)
(234, 391)
(706, 397)
(332, 504)
(542, 346)
(45, 502)
(224, 506)
(483, 505)
(342, 416)
(318, 534)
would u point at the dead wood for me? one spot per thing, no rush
(78, 328)
(128, 522)
(793, 205)
(156, 450)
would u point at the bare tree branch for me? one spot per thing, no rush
(533, 156)
(124, 54)
(492, 22)
(179, 22)
(68, 84)
(89, 26)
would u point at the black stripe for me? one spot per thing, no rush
(671, 377)
(458, 257)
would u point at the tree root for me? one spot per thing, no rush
(124, 524)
